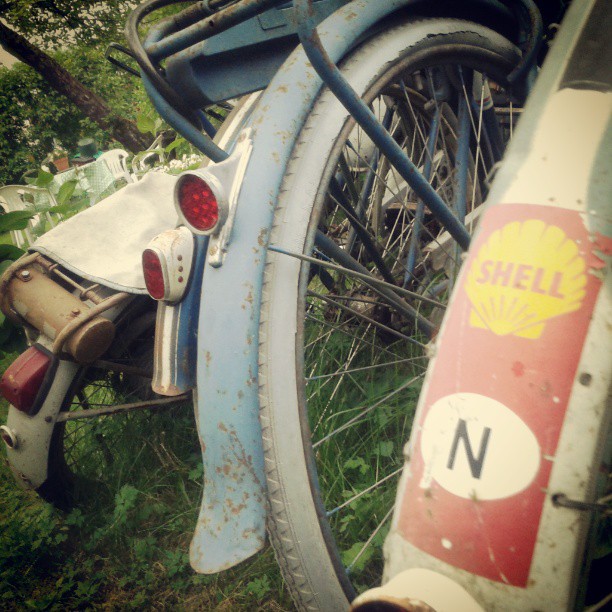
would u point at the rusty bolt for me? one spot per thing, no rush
(180, 257)
(180, 268)
(180, 279)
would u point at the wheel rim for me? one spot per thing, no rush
(363, 355)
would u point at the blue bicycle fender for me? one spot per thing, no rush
(231, 524)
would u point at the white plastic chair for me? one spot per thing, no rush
(143, 161)
(115, 160)
(35, 199)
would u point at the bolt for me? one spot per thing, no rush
(180, 279)
(25, 479)
(25, 275)
(180, 257)
(180, 268)
(585, 379)
(76, 312)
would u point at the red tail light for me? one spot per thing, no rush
(22, 380)
(198, 203)
(153, 274)
(166, 264)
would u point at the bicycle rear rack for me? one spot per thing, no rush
(201, 46)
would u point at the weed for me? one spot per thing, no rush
(130, 550)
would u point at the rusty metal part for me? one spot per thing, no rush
(166, 402)
(88, 336)
(29, 295)
(86, 293)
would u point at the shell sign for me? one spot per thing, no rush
(523, 275)
(494, 404)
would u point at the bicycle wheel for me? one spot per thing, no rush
(342, 357)
(86, 455)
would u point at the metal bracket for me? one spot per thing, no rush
(560, 500)
(233, 168)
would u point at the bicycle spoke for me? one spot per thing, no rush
(359, 495)
(356, 419)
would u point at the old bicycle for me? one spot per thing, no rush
(326, 247)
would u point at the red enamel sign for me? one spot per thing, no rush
(496, 399)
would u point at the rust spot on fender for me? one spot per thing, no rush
(262, 239)
(518, 369)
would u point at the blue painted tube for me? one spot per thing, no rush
(361, 231)
(462, 160)
(181, 125)
(420, 211)
(197, 32)
(493, 131)
(370, 177)
(207, 126)
(332, 77)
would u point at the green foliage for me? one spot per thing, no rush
(32, 115)
(12, 338)
(149, 124)
(16, 220)
(54, 22)
(129, 551)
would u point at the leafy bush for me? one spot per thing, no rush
(32, 114)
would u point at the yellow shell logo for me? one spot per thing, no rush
(526, 273)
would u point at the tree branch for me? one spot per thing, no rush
(88, 102)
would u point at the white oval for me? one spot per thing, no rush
(477, 448)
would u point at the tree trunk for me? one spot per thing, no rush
(89, 103)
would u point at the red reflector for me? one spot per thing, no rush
(22, 379)
(153, 274)
(198, 203)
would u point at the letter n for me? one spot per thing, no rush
(476, 462)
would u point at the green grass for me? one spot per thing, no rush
(129, 550)
(359, 421)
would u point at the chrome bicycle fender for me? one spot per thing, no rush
(231, 524)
